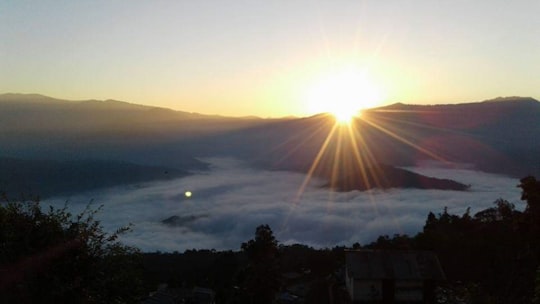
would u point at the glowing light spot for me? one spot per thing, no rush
(343, 117)
(343, 92)
(188, 194)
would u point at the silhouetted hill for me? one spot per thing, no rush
(500, 135)
(49, 142)
(389, 177)
(46, 178)
(296, 144)
(36, 126)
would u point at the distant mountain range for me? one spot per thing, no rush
(36, 126)
(500, 135)
(44, 178)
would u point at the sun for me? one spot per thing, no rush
(344, 116)
(343, 92)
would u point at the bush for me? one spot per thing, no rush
(53, 257)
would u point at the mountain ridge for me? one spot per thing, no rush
(111, 104)
(498, 136)
(46, 178)
(33, 96)
(512, 99)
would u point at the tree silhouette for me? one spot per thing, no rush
(264, 247)
(54, 257)
(261, 279)
(536, 298)
(531, 194)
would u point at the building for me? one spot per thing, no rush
(385, 276)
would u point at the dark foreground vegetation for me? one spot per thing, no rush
(54, 257)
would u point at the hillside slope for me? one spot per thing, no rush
(500, 135)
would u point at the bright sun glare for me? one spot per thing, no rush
(343, 93)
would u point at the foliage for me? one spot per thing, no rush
(52, 256)
(497, 250)
(536, 298)
(397, 242)
(261, 278)
(492, 256)
(531, 193)
(264, 247)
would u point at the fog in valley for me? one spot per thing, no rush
(231, 199)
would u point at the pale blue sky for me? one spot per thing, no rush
(258, 57)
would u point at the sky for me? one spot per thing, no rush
(270, 58)
(232, 199)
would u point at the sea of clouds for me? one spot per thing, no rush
(232, 199)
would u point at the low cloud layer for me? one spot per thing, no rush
(231, 200)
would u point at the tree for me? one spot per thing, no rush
(531, 194)
(261, 279)
(536, 298)
(264, 247)
(54, 257)
(503, 212)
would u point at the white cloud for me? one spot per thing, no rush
(231, 200)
